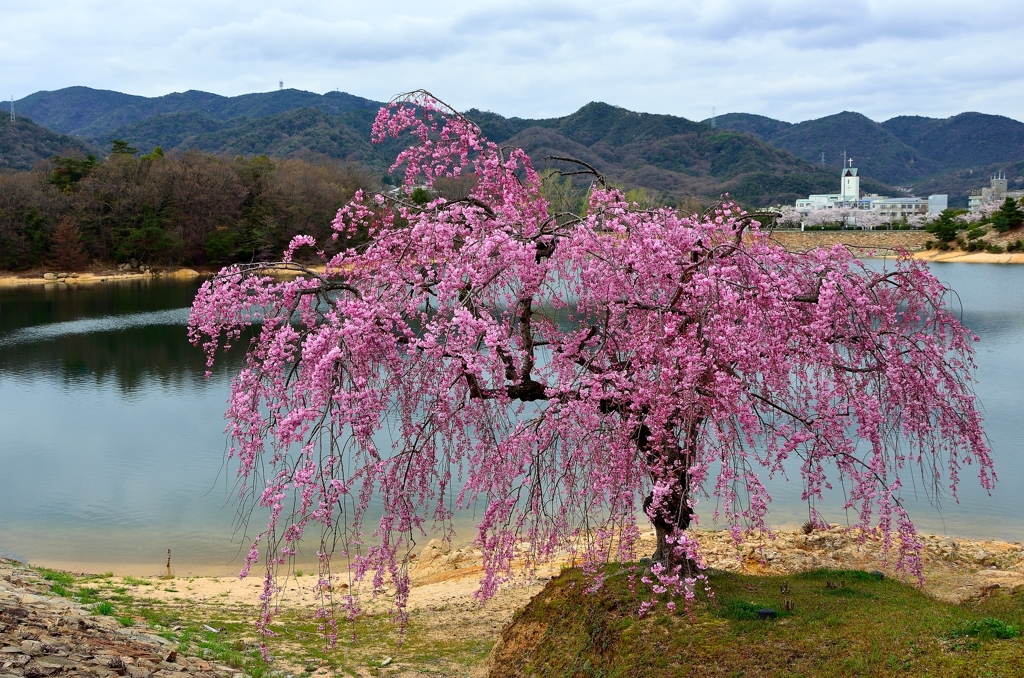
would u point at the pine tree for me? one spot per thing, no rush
(66, 249)
(1009, 216)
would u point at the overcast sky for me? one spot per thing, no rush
(787, 59)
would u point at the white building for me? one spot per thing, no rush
(996, 193)
(887, 209)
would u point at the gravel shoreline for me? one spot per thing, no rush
(43, 635)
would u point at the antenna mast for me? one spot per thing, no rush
(12, 108)
(714, 117)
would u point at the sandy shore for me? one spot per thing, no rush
(12, 279)
(955, 569)
(92, 277)
(971, 257)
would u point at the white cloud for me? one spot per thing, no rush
(789, 59)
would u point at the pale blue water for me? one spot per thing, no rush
(112, 445)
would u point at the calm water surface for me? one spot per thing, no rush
(112, 445)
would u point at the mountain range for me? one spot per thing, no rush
(757, 159)
(948, 155)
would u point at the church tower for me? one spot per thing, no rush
(849, 186)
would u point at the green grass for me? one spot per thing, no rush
(60, 578)
(59, 590)
(103, 608)
(135, 581)
(363, 643)
(841, 623)
(987, 627)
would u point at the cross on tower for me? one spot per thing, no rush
(850, 160)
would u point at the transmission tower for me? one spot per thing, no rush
(714, 118)
(280, 84)
(12, 108)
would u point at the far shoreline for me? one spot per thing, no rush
(19, 279)
(864, 244)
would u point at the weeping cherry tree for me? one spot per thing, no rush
(565, 373)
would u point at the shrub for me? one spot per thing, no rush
(995, 249)
(987, 627)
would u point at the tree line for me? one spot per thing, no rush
(188, 208)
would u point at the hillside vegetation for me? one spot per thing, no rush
(23, 144)
(671, 157)
(179, 208)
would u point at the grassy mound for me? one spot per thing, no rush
(836, 623)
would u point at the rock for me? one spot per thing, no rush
(49, 276)
(56, 663)
(34, 670)
(138, 672)
(61, 276)
(168, 666)
(33, 648)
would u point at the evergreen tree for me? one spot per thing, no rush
(1009, 216)
(945, 226)
(66, 250)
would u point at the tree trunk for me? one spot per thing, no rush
(674, 514)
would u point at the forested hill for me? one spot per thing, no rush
(90, 113)
(672, 158)
(950, 155)
(24, 143)
(667, 155)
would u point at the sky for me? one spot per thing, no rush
(787, 59)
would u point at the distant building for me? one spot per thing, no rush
(888, 209)
(996, 193)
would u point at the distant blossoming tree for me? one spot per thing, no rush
(565, 372)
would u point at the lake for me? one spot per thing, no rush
(112, 447)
